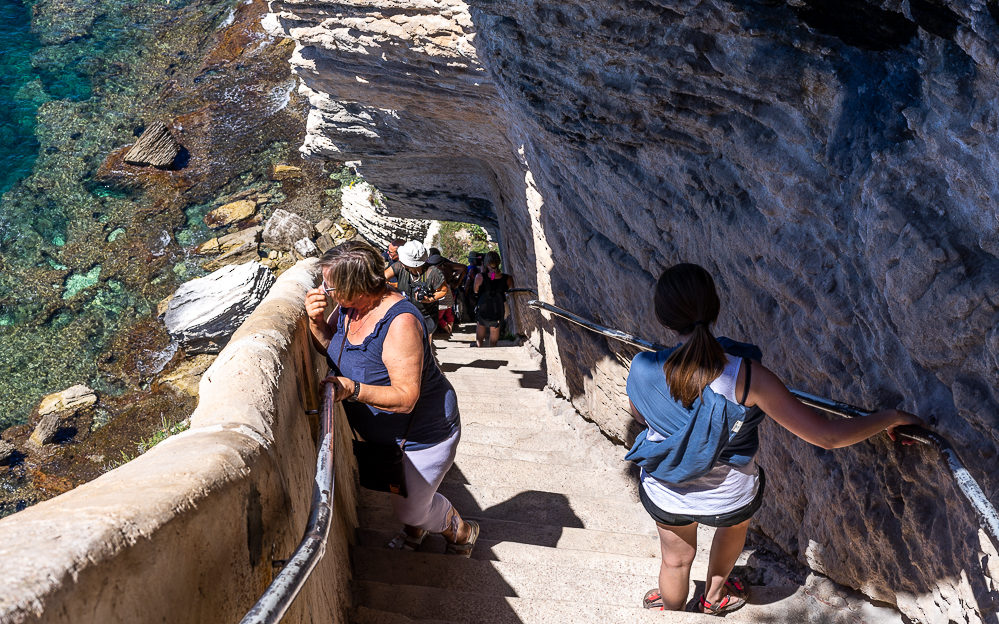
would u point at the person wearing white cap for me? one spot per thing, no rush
(422, 283)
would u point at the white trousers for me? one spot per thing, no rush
(425, 469)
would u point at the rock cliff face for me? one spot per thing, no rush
(831, 163)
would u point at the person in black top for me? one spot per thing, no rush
(491, 286)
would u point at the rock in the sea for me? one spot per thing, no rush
(206, 311)
(365, 209)
(286, 172)
(245, 252)
(45, 430)
(324, 226)
(70, 399)
(186, 377)
(155, 147)
(231, 213)
(305, 248)
(6, 451)
(161, 307)
(284, 228)
(324, 243)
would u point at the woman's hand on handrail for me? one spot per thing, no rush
(772, 396)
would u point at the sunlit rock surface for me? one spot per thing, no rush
(831, 163)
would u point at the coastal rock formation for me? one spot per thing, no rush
(832, 164)
(70, 399)
(231, 213)
(155, 147)
(205, 312)
(363, 209)
(284, 228)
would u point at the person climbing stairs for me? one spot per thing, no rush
(563, 538)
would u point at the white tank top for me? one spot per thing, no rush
(723, 488)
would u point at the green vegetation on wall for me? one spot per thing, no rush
(456, 239)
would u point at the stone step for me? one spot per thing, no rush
(544, 457)
(772, 605)
(540, 580)
(545, 508)
(599, 481)
(574, 561)
(522, 414)
(366, 615)
(511, 435)
(638, 544)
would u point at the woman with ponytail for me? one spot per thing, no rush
(702, 402)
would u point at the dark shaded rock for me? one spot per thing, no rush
(324, 243)
(205, 312)
(6, 452)
(284, 228)
(156, 147)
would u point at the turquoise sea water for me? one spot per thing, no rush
(19, 94)
(82, 263)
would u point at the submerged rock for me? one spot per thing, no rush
(155, 147)
(284, 228)
(286, 172)
(186, 377)
(73, 398)
(205, 312)
(230, 213)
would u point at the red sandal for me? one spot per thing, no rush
(653, 599)
(727, 604)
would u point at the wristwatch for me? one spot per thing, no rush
(357, 391)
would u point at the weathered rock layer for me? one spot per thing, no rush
(832, 164)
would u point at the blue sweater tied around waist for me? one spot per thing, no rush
(713, 430)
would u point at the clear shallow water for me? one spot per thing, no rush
(20, 95)
(81, 262)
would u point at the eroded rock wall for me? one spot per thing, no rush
(832, 163)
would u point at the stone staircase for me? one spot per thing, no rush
(564, 538)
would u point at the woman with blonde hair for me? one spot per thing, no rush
(395, 392)
(702, 402)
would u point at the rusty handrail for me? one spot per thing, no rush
(285, 587)
(987, 515)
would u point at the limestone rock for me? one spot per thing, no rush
(45, 430)
(305, 248)
(206, 311)
(286, 172)
(324, 226)
(208, 248)
(186, 376)
(231, 213)
(227, 243)
(837, 176)
(246, 252)
(70, 399)
(366, 211)
(155, 147)
(161, 307)
(284, 228)
(324, 243)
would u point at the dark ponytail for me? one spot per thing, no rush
(686, 302)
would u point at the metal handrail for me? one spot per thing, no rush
(987, 515)
(285, 587)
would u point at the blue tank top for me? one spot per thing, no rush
(435, 416)
(713, 430)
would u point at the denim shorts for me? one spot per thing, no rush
(729, 518)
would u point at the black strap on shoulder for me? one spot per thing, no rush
(749, 377)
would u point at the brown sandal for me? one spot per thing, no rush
(464, 548)
(727, 604)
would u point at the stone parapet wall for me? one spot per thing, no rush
(188, 531)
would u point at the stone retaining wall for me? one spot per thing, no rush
(187, 532)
